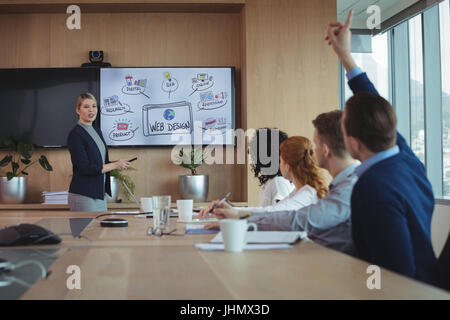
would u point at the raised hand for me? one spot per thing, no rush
(338, 36)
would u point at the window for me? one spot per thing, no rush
(444, 28)
(416, 87)
(410, 65)
(375, 64)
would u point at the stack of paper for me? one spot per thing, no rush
(57, 197)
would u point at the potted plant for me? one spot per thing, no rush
(193, 186)
(13, 187)
(117, 181)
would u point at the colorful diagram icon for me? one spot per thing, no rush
(169, 114)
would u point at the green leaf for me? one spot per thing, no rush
(25, 173)
(15, 166)
(10, 175)
(25, 161)
(7, 159)
(45, 164)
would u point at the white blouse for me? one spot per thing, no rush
(297, 199)
(274, 190)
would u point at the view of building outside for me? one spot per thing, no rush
(444, 21)
(375, 64)
(416, 87)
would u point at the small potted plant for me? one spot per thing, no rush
(13, 187)
(193, 186)
(117, 181)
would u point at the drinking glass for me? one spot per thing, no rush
(161, 212)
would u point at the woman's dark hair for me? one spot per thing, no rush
(264, 135)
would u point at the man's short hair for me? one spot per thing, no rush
(328, 127)
(371, 118)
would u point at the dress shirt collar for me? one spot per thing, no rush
(347, 172)
(377, 157)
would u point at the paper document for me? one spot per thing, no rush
(218, 246)
(267, 237)
(63, 192)
(199, 229)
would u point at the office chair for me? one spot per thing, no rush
(444, 265)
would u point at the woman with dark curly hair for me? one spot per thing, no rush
(299, 165)
(274, 187)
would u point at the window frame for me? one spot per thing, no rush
(399, 89)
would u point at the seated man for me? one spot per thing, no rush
(392, 203)
(328, 221)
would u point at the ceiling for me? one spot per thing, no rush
(388, 9)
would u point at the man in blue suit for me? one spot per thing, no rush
(392, 203)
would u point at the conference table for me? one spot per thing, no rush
(126, 263)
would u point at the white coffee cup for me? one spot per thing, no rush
(234, 233)
(185, 209)
(147, 204)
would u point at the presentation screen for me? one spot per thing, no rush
(167, 106)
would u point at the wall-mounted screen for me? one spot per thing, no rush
(167, 106)
(38, 105)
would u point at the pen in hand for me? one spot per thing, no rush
(217, 205)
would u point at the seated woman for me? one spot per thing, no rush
(299, 165)
(273, 187)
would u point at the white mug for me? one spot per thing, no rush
(147, 204)
(234, 232)
(185, 209)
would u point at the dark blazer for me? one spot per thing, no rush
(87, 164)
(392, 206)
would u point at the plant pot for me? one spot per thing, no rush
(114, 190)
(13, 191)
(194, 187)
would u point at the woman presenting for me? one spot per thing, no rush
(90, 161)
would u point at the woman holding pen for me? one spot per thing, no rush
(90, 160)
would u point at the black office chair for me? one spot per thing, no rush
(444, 265)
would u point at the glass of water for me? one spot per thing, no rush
(161, 213)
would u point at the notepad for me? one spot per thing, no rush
(267, 237)
(220, 247)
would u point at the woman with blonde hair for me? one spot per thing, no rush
(299, 165)
(90, 160)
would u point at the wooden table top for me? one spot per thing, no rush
(126, 263)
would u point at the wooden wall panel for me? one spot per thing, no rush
(292, 75)
(288, 73)
(141, 39)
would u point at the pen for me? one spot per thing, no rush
(218, 204)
